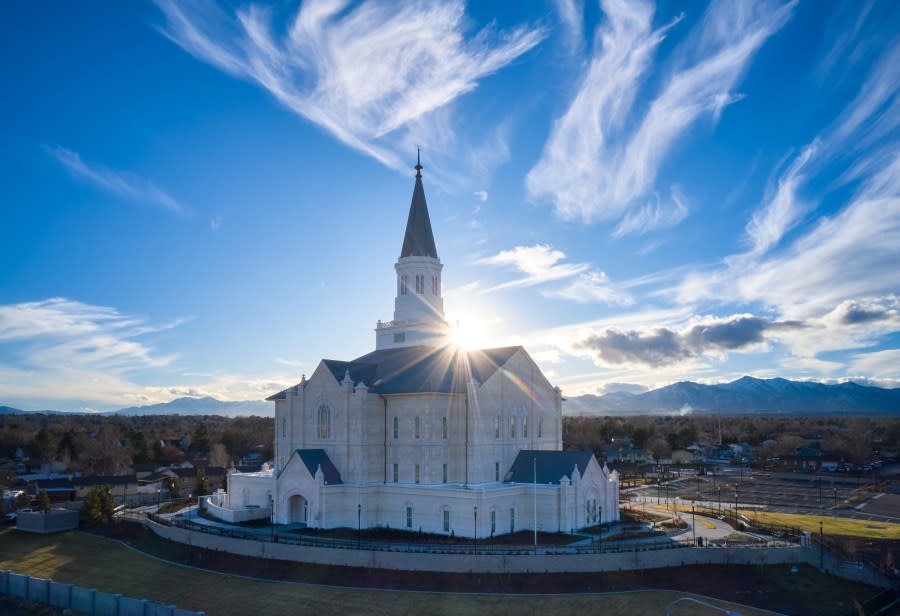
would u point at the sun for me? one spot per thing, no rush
(469, 334)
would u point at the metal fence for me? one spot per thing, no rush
(486, 547)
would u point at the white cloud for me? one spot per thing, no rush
(481, 195)
(782, 209)
(362, 72)
(591, 167)
(877, 364)
(119, 183)
(653, 216)
(591, 287)
(571, 16)
(540, 263)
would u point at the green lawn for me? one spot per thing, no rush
(94, 562)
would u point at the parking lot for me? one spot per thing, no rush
(826, 494)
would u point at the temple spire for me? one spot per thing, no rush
(418, 241)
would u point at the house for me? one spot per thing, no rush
(420, 434)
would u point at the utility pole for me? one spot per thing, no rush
(534, 498)
(821, 547)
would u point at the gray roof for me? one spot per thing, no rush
(418, 240)
(421, 369)
(417, 369)
(551, 465)
(313, 458)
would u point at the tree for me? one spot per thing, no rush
(200, 441)
(202, 483)
(99, 504)
(44, 501)
(46, 444)
(218, 456)
(172, 486)
(23, 500)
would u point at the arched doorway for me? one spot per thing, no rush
(298, 509)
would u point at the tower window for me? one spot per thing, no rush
(418, 474)
(396, 428)
(445, 472)
(401, 337)
(444, 426)
(404, 284)
(396, 473)
(512, 427)
(497, 426)
(496, 471)
(323, 424)
(525, 427)
(420, 283)
(409, 517)
(434, 285)
(446, 520)
(418, 427)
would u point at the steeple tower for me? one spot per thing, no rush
(418, 306)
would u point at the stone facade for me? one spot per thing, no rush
(421, 435)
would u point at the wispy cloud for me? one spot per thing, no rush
(360, 73)
(781, 210)
(592, 167)
(653, 216)
(591, 288)
(119, 183)
(571, 16)
(540, 263)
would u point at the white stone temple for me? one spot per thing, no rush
(421, 435)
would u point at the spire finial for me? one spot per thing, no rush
(418, 166)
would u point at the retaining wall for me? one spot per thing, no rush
(485, 563)
(83, 600)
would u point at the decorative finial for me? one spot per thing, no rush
(418, 162)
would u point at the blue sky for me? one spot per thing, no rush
(206, 199)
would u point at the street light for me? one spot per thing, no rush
(720, 500)
(693, 525)
(358, 523)
(600, 508)
(475, 510)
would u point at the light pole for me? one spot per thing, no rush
(720, 500)
(834, 492)
(475, 513)
(693, 525)
(821, 547)
(358, 523)
(735, 508)
(600, 508)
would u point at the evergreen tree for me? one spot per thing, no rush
(44, 501)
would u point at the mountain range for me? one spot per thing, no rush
(746, 395)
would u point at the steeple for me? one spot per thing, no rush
(418, 306)
(418, 240)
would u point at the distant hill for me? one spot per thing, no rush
(746, 395)
(8, 410)
(202, 406)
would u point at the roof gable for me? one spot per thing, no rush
(551, 466)
(314, 458)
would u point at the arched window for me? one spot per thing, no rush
(404, 284)
(420, 283)
(434, 285)
(540, 427)
(525, 427)
(323, 424)
(512, 426)
(444, 426)
(396, 428)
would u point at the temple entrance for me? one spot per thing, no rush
(298, 509)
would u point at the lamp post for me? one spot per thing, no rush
(834, 493)
(693, 525)
(720, 500)
(735, 507)
(600, 508)
(475, 513)
(821, 546)
(158, 490)
(358, 523)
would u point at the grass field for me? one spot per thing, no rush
(106, 565)
(830, 525)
